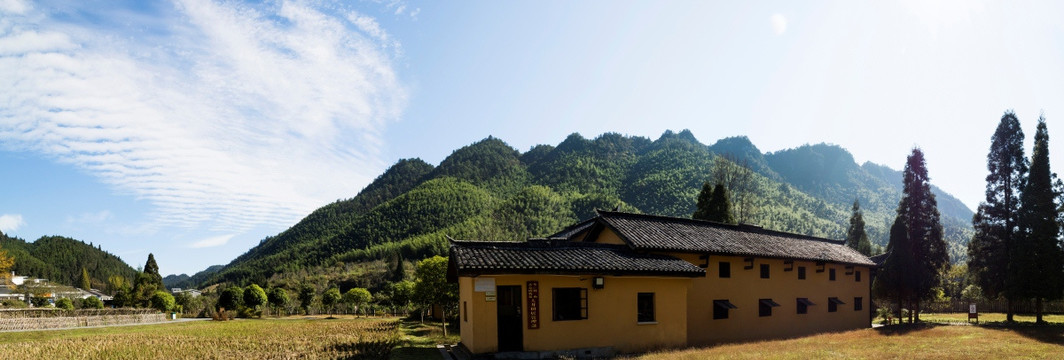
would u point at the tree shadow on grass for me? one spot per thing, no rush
(1046, 333)
(415, 353)
(904, 329)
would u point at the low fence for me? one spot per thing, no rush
(40, 319)
(986, 306)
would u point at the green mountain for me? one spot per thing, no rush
(491, 191)
(184, 281)
(61, 259)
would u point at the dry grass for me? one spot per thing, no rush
(896, 342)
(243, 339)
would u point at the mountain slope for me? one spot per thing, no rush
(61, 259)
(489, 190)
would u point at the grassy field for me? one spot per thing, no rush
(925, 341)
(305, 338)
(319, 338)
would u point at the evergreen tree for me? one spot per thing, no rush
(856, 237)
(254, 297)
(398, 274)
(1037, 266)
(704, 198)
(278, 297)
(86, 282)
(152, 270)
(720, 206)
(714, 206)
(917, 249)
(996, 220)
(306, 297)
(147, 283)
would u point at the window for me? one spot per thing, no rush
(645, 307)
(764, 271)
(764, 307)
(720, 309)
(857, 276)
(858, 303)
(465, 312)
(831, 274)
(725, 269)
(801, 273)
(570, 304)
(803, 305)
(833, 304)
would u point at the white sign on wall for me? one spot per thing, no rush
(484, 284)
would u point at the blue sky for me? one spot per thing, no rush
(192, 129)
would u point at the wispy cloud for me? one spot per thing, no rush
(779, 23)
(90, 217)
(222, 115)
(10, 222)
(212, 241)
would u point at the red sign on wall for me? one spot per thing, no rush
(533, 304)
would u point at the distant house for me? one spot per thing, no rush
(190, 292)
(631, 282)
(99, 294)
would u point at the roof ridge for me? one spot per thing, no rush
(739, 227)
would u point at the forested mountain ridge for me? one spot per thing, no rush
(61, 259)
(491, 191)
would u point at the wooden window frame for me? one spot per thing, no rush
(581, 292)
(641, 316)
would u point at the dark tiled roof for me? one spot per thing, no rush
(660, 233)
(574, 229)
(879, 259)
(562, 257)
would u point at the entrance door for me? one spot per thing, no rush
(510, 320)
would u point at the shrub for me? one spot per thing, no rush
(13, 303)
(162, 301)
(92, 302)
(39, 301)
(65, 304)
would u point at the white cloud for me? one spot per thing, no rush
(90, 217)
(10, 222)
(779, 24)
(14, 6)
(212, 241)
(223, 117)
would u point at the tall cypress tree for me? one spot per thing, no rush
(996, 221)
(917, 249)
(1037, 266)
(86, 282)
(715, 205)
(856, 237)
(702, 207)
(720, 206)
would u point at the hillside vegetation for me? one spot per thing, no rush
(61, 259)
(491, 191)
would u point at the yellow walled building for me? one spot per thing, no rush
(624, 282)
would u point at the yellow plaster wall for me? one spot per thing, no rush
(612, 317)
(745, 288)
(607, 236)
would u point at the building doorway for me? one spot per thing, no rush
(509, 317)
